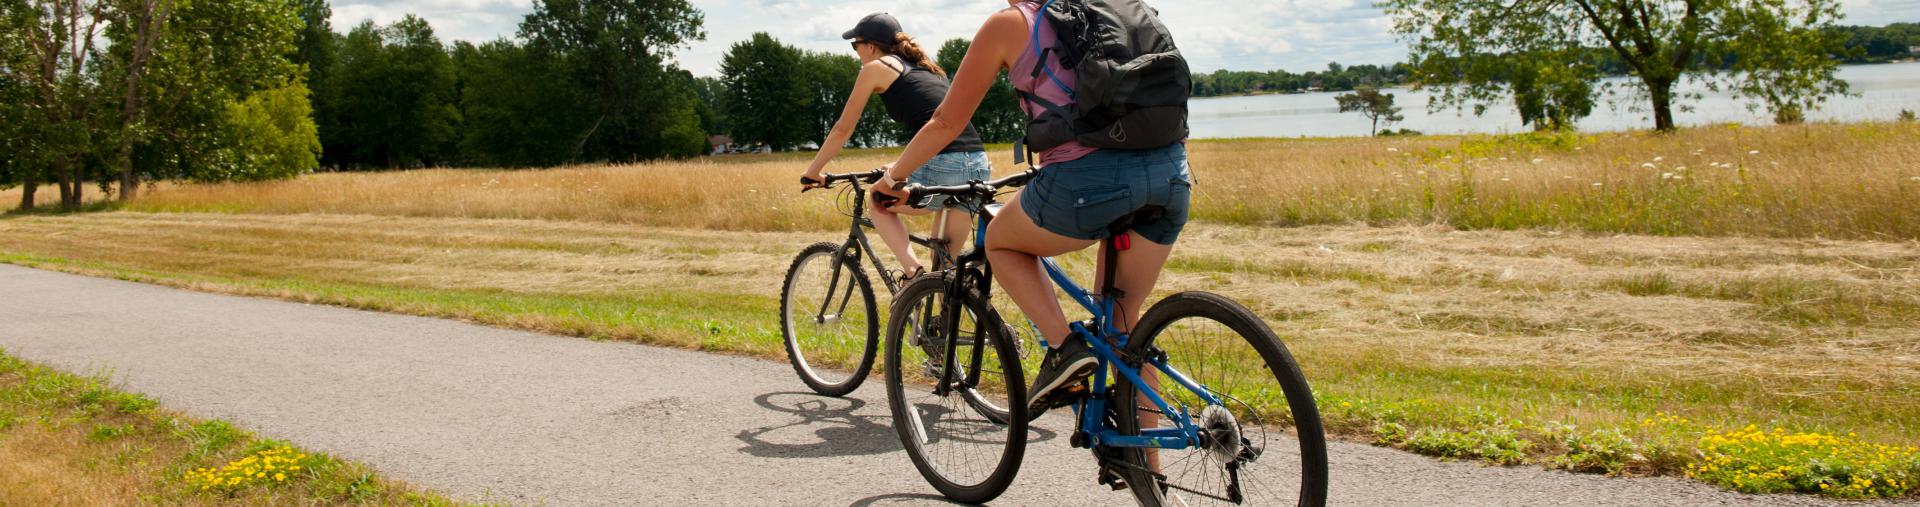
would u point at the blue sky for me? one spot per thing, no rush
(1296, 35)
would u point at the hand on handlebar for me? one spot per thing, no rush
(888, 193)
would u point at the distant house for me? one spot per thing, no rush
(1913, 50)
(720, 143)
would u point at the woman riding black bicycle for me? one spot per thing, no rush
(911, 86)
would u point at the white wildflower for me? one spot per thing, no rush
(1754, 152)
(1537, 161)
(1657, 159)
(1648, 166)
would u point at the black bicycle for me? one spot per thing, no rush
(1200, 401)
(828, 316)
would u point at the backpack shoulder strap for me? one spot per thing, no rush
(1040, 64)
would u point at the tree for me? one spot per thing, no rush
(765, 101)
(55, 50)
(1372, 104)
(208, 58)
(516, 114)
(999, 119)
(271, 136)
(616, 50)
(318, 49)
(17, 122)
(825, 82)
(397, 103)
(1772, 51)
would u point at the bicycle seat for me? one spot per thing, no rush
(1140, 216)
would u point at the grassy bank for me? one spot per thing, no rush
(1834, 181)
(1622, 354)
(73, 440)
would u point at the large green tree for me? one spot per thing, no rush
(1773, 52)
(55, 49)
(766, 99)
(516, 114)
(617, 52)
(397, 104)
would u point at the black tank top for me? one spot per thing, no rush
(914, 96)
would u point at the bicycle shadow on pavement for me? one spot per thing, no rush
(904, 499)
(836, 428)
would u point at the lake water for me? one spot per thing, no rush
(1883, 90)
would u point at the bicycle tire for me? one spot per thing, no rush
(811, 361)
(1301, 410)
(910, 415)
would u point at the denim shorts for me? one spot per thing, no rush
(1080, 198)
(948, 169)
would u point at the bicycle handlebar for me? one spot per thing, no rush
(866, 177)
(917, 194)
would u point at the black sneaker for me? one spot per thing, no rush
(1062, 376)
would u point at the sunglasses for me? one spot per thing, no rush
(856, 45)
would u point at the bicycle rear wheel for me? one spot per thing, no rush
(1263, 444)
(966, 437)
(828, 320)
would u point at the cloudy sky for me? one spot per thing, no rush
(1296, 35)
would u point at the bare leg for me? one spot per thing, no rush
(1139, 270)
(958, 230)
(1014, 248)
(893, 231)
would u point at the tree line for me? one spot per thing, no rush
(581, 81)
(107, 94)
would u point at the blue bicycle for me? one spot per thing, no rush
(1238, 426)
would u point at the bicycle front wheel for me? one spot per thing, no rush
(828, 320)
(1261, 445)
(966, 430)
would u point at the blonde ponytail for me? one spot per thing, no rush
(906, 48)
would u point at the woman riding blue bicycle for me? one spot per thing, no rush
(911, 86)
(1068, 205)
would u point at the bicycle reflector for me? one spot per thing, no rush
(1123, 242)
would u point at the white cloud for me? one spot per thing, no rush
(1297, 35)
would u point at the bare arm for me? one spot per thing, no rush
(872, 76)
(999, 42)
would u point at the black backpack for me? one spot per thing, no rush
(1132, 84)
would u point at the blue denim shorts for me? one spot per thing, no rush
(1080, 198)
(948, 169)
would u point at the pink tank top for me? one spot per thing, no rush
(1024, 80)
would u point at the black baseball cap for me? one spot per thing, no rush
(877, 27)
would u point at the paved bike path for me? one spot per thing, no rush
(489, 414)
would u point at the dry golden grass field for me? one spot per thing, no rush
(1613, 302)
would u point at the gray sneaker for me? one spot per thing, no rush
(1060, 381)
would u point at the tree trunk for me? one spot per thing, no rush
(1662, 92)
(129, 182)
(67, 186)
(32, 184)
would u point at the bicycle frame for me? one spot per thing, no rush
(1092, 412)
(858, 245)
